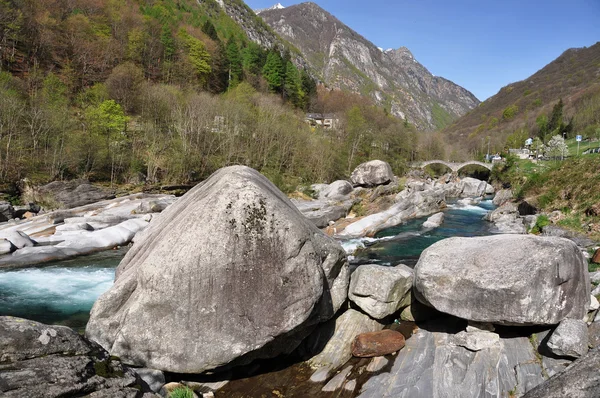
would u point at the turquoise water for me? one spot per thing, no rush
(64, 292)
(61, 292)
(404, 243)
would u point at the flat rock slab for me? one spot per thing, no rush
(430, 365)
(505, 279)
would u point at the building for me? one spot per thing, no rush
(324, 120)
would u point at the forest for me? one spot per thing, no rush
(166, 92)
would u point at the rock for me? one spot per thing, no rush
(408, 205)
(526, 209)
(338, 349)
(594, 304)
(322, 212)
(74, 227)
(418, 312)
(596, 259)
(504, 279)
(476, 340)
(379, 290)
(580, 240)
(594, 334)
(434, 221)
(377, 344)
(336, 190)
(336, 382)
(430, 365)
(68, 194)
(7, 211)
(530, 221)
(596, 291)
(350, 385)
(502, 196)
(155, 379)
(38, 360)
(6, 246)
(472, 187)
(369, 174)
(569, 339)
(489, 189)
(377, 364)
(18, 238)
(232, 264)
(507, 220)
(580, 380)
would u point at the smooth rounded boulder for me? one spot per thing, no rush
(505, 279)
(373, 173)
(229, 273)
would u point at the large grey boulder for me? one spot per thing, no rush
(502, 196)
(434, 221)
(336, 190)
(369, 174)
(505, 279)
(322, 212)
(580, 380)
(381, 291)
(38, 360)
(229, 273)
(569, 339)
(472, 187)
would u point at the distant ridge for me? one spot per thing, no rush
(344, 59)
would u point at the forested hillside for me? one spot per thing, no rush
(168, 91)
(563, 97)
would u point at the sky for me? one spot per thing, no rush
(482, 45)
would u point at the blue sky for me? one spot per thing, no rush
(482, 45)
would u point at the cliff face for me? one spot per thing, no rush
(344, 59)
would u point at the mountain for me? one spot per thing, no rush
(573, 77)
(343, 59)
(277, 6)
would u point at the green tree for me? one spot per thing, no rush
(555, 124)
(274, 71)
(234, 61)
(166, 39)
(198, 56)
(252, 56)
(210, 30)
(292, 87)
(542, 123)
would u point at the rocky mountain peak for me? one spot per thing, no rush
(277, 6)
(344, 59)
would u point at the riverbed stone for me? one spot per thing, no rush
(569, 339)
(38, 360)
(502, 196)
(434, 221)
(18, 238)
(232, 264)
(472, 187)
(377, 344)
(336, 190)
(430, 365)
(373, 173)
(6, 246)
(505, 279)
(338, 349)
(580, 380)
(379, 290)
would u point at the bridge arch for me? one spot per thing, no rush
(455, 167)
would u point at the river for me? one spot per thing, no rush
(64, 292)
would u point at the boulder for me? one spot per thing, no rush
(502, 196)
(379, 290)
(507, 220)
(232, 264)
(336, 190)
(377, 344)
(18, 238)
(6, 246)
(580, 380)
(579, 239)
(7, 211)
(472, 187)
(476, 340)
(434, 221)
(569, 339)
(505, 279)
(369, 174)
(489, 189)
(338, 348)
(38, 360)
(322, 212)
(68, 194)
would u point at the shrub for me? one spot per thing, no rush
(182, 392)
(541, 222)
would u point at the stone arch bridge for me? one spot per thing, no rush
(455, 167)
